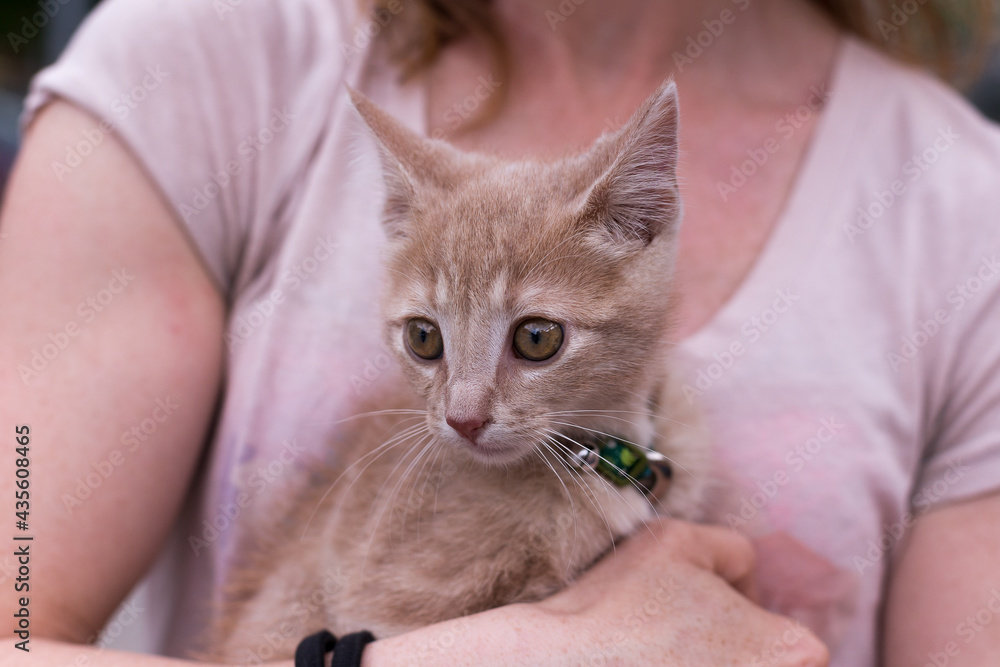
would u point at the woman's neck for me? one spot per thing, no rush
(598, 44)
(576, 70)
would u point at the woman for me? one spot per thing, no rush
(188, 209)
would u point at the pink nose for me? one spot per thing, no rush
(470, 428)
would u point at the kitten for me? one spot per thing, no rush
(529, 305)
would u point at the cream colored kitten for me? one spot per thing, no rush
(529, 305)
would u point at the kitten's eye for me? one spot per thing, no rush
(424, 339)
(538, 339)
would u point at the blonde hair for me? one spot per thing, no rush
(949, 37)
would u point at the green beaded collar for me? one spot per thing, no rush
(626, 464)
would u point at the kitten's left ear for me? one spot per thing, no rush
(636, 196)
(411, 164)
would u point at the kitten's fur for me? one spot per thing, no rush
(477, 245)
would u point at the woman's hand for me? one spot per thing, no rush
(680, 594)
(677, 594)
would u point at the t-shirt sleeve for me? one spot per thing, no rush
(211, 99)
(962, 459)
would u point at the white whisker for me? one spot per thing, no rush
(377, 453)
(634, 444)
(541, 440)
(388, 503)
(628, 477)
(374, 413)
(610, 414)
(589, 493)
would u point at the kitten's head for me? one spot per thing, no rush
(517, 291)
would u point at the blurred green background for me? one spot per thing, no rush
(34, 32)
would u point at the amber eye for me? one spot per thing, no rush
(538, 339)
(424, 339)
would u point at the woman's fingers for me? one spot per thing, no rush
(724, 552)
(731, 557)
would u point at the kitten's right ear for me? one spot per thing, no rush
(411, 164)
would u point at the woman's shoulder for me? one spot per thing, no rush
(918, 166)
(916, 120)
(234, 30)
(233, 59)
(201, 92)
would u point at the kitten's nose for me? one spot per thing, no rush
(470, 427)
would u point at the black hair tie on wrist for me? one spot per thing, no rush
(349, 648)
(312, 650)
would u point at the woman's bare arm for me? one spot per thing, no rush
(944, 598)
(108, 320)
